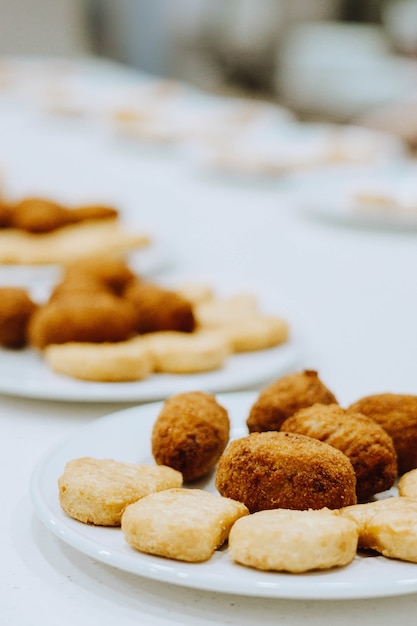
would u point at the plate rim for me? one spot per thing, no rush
(284, 357)
(310, 586)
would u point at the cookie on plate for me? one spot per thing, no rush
(293, 541)
(182, 524)
(122, 361)
(387, 526)
(97, 491)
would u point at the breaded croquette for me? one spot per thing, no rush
(38, 215)
(272, 470)
(16, 309)
(92, 212)
(190, 434)
(112, 273)
(284, 397)
(397, 414)
(93, 318)
(5, 214)
(41, 215)
(367, 445)
(159, 309)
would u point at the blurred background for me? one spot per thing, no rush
(336, 60)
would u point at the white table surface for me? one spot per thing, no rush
(349, 292)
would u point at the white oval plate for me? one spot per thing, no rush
(125, 436)
(24, 373)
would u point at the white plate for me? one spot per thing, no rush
(146, 262)
(345, 212)
(23, 373)
(125, 436)
(333, 198)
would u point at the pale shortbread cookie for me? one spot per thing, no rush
(97, 491)
(195, 292)
(293, 541)
(187, 353)
(407, 485)
(123, 361)
(256, 333)
(219, 312)
(387, 526)
(69, 243)
(241, 322)
(182, 524)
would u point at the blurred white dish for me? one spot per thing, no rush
(379, 198)
(296, 149)
(146, 262)
(24, 373)
(126, 436)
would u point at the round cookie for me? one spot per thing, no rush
(407, 485)
(97, 491)
(122, 361)
(293, 541)
(387, 526)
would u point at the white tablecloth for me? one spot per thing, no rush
(349, 293)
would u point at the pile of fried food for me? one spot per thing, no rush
(102, 322)
(38, 231)
(307, 488)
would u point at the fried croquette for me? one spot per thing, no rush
(92, 212)
(159, 309)
(367, 445)
(5, 214)
(397, 414)
(190, 434)
(272, 470)
(16, 309)
(112, 273)
(38, 215)
(286, 396)
(95, 318)
(78, 285)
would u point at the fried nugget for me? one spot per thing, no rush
(16, 309)
(38, 215)
(92, 212)
(190, 434)
(112, 273)
(76, 285)
(95, 318)
(367, 445)
(272, 470)
(159, 309)
(397, 414)
(286, 396)
(5, 214)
